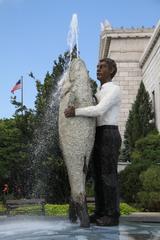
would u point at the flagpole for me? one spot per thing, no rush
(22, 93)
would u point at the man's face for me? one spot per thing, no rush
(103, 71)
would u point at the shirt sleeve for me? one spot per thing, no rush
(111, 98)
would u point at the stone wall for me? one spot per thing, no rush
(128, 78)
(126, 47)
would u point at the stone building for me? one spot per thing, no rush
(150, 65)
(136, 52)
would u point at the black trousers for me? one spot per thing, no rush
(105, 160)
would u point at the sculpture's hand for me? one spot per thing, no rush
(69, 112)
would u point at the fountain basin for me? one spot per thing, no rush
(59, 228)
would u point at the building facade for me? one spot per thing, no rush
(136, 52)
(150, 65)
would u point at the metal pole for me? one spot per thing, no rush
(22, 93)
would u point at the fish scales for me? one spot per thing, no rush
(76, 134)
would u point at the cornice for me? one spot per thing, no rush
(150, 46)
(108, 34)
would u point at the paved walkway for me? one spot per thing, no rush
(142, 217)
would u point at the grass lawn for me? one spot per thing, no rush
(2, 208)
(60, 210)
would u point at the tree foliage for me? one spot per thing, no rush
(29, 146)
(130, 183)
(147, 149)
(15, 135)
(146, 155)
(140, 122)
(149, 196)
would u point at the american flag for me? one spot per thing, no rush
(17, 86)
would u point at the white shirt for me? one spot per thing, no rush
(108, 107)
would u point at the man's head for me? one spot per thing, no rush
(106, 69)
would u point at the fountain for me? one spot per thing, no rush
(72, 39)
(46, 134)
(48, 228)
(45, 138)
(59, 228)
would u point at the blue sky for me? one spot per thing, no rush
(34, 32)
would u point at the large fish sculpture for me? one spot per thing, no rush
(77, 136)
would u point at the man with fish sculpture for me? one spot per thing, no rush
(106, 145)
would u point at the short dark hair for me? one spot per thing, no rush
(111, 63)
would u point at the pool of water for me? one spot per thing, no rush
(49, 228)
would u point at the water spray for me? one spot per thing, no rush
(72, 38)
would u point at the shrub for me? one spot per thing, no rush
(60, 210)
(150, 201)
(56, 209)
(146, 153)
(2, 208)
(27, 210)
(147, 149)
(130, 183)
(125, 209)
(149, 197)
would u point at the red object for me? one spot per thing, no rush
(5, 189)
(17, 86)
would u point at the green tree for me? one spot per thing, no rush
(29, 145)
(140, 122)
(146, 154)
(45, 90)
(130, 183)
(149, 196)
(13, 154)
(15, 137)
(147, 149)
(93, 86)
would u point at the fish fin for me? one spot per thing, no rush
(82, 212)
(72, 211)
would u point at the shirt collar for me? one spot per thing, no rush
(105, 84)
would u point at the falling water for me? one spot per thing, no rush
(45, 139)
(72, 39)
(46, 134)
